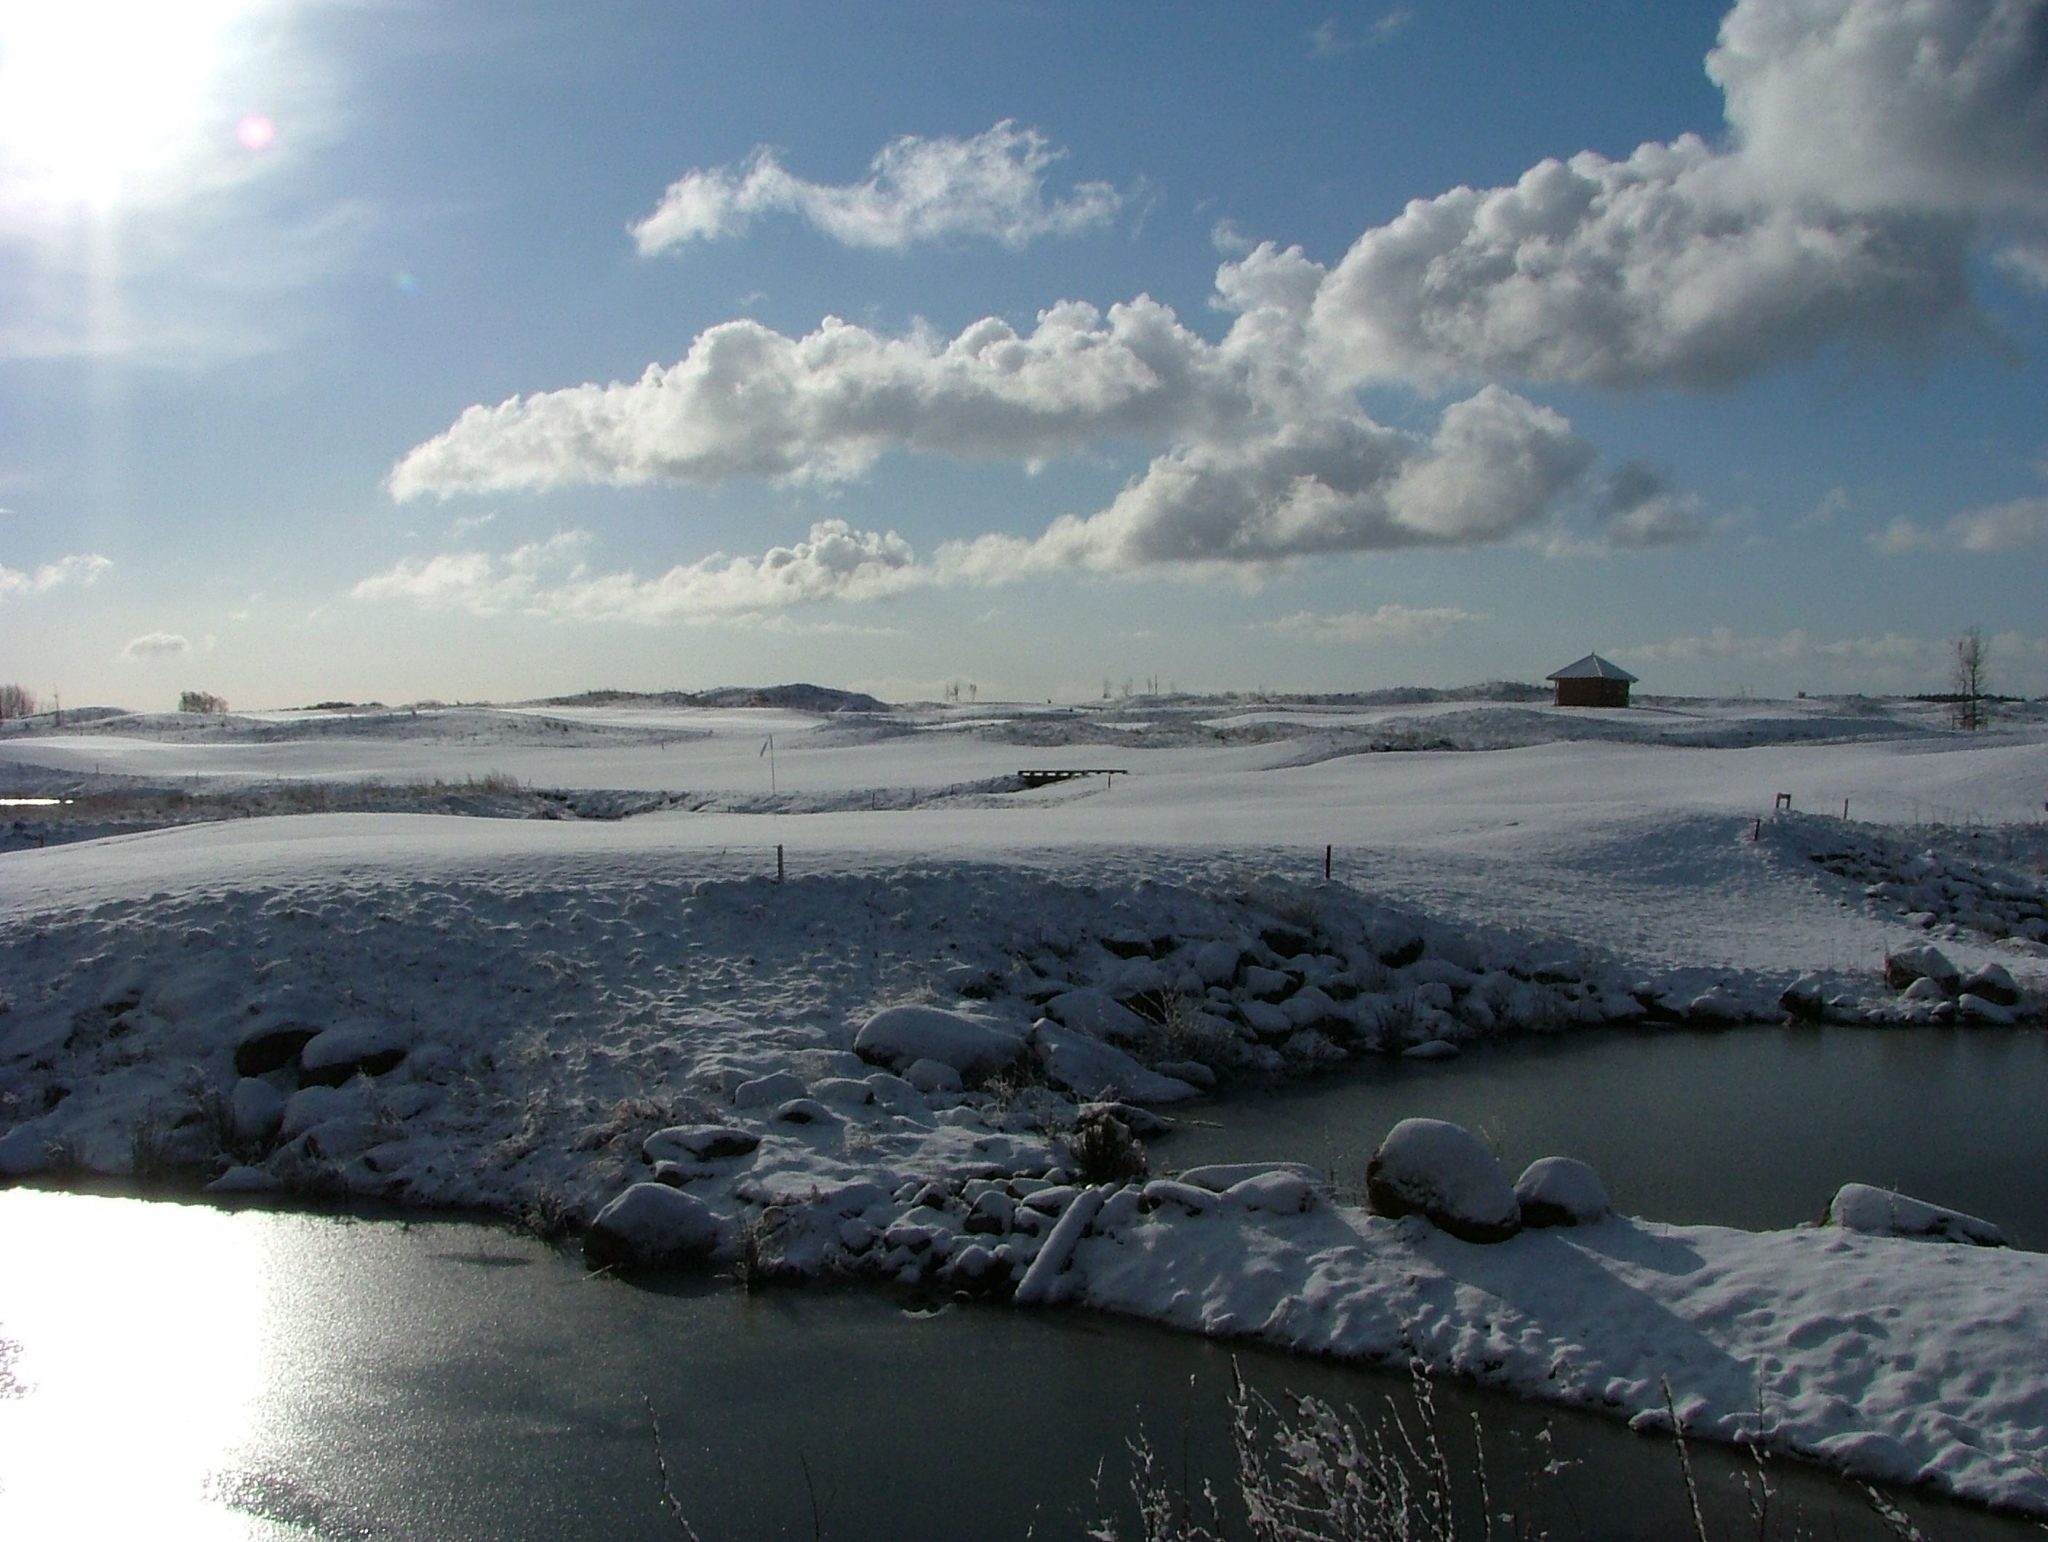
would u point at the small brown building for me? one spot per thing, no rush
(1592, 682)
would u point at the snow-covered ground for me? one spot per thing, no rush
(918, 1056)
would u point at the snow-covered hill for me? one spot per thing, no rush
(532, 1013)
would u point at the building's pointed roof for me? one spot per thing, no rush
(1593, 667)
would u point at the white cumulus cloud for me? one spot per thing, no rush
(1386, 623)
(552, 579)
(81, 568)
(2002, 527)
(1869, 142)
(1870, 149)
(989, 187)
(1496, 465)
(156, 645)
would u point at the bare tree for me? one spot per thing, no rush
(203, 702)
(1969, 677)
(16, 701)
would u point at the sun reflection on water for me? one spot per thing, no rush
(133, 1364)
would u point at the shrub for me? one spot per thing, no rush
(1102, 1149)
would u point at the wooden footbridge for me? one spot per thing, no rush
(1045, 778)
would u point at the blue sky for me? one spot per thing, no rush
(378, 349)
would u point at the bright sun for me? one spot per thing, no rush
(102, 101)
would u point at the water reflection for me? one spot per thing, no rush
(135, 1369)
(186, 1372)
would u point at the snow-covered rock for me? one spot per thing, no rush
(1903, 966)
(271, 1046)
(972, 1044)
(24, 1152)
(337, 1054)
(1719, 1006)
(244, 1180)
(698, 1142)
(1099, 1015)
(1094, 1069)
(1561, 1191)
(651, 1225)
(1439, 1170)
(1220, 1176)
(1971, 1008)
(776, 1087)
(255, 1110)
(1274, 1193)
(1805, 998)
(929, 1076)
(311, 1106)
(1860, 1207)
(1994, 983)
(1432, 1049)
(1215, 962)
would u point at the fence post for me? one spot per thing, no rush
(1326, 864)
(778, 862)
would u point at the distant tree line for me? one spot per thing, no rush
(205, 703)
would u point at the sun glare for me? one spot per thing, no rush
(103, 101)
(131, 1364)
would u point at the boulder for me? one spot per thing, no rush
(1978, 1009)
(24, 1152)
(1861, 1207)
(776, 1087)
(1094, 1069)
(698, 1142)
(1927, 962)
(1561, 1191)
(255, 1110)
(1219, 1177)
(1993, 983)
(1718, 1006)
(1805, 999)
(244, 1180)
(311, 1106)
(368, 1049)
(1099, 1015)
(271, 1046)
(1215, 962)
(1438, 1170)
(650, 1226)
(1275, 1193)
(930, 1076)
(972, 1044)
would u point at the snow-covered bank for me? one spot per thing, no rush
(923, 1057)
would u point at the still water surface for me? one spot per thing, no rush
(1753, 1127)
(175, 1370)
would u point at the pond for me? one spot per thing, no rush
(176, 1370)
(1749, 1127)
(173, 1370)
